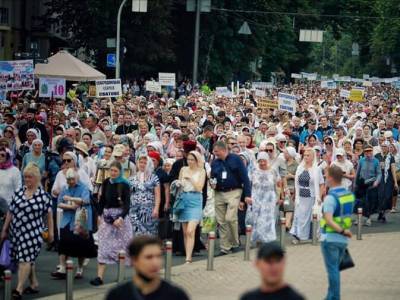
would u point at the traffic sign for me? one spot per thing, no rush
(111, 60)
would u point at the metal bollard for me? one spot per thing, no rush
(168, 260)
(69, 295)
(249, 229)
(121, 266)
(211, 250)
(314, 229)
(283, 231)
(359, 225)
(7, 285)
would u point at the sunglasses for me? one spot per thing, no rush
(68, 160)
(9, 131)
(269, 150)
(328, 143)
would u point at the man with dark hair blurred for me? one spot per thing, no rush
(32, 123)
(271, 264)
(147, 260)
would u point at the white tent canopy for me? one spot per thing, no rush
(65, 65)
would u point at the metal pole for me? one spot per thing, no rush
(117, 66)
(211, 250)
(69, 295)
(283, 231)
(7, 285)
(248, 242)
(196, 42)
(168, 260)
(359, 224)
(121, 266)
(314, 229)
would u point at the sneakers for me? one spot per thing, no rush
(59, 273)
(79, 273)
(86, 262)
(368, 222)
(97, 281)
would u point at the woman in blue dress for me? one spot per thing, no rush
(145, 199)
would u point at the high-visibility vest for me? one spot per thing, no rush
(343, 212)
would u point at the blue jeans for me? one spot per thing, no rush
(333, 253)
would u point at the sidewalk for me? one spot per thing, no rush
(376, 275)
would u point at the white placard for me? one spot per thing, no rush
(49, 87)
(223, 91)
(365, 76)
(367, 83)
(287, 102)
(328, 84)
(345, 94)
(167, 79)
(260, 93)
(153, 86)
(108, 88)
(296, 76)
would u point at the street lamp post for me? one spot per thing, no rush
(196, 42)
(117, 54)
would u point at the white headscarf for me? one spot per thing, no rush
(144, 176)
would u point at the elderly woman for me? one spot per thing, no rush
(69, 160)
(192, 179)
(35, 156)
(309, 184)
(31, 135)
(290, 155)
(75, 239)
(24, 222)
(9, 174)
(115, 230)
(261, 213)
(145, 199)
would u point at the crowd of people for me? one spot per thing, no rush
(183, 163)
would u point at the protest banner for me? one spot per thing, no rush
(356, 95)
(52, 87)
(223, 91)
(367, 83)
(167, 79)
(345, 94)
(17, 75)
(296, 76)
(266, 103)
(108, 88)
(287, 102)
(328, 84)
(153, 86)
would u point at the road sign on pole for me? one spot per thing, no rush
(111, 60)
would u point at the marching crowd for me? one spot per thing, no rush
(88, 175)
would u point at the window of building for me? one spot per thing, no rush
(4, 16)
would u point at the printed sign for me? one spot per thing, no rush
(17, 75)
(356, 95)
(267, 103)
(108, 88)
(345, 94)
(153, 86)
(167, 79)
(328, 84)
(111, 60)
(223, 91)
(287, 102)
(92, 91)
(296, 76)
(260, 93)
(367, 83)
(52, 87)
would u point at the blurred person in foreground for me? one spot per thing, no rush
(271, 264)
(146, 258)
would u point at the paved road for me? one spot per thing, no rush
(48, 260)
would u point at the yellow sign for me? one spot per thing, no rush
(356, 95)
(266, 103)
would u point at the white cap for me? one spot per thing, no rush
(340, 151)
(280, 138)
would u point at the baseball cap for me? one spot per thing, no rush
(270, 250)
(368, 147)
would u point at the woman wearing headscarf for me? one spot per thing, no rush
(145, 198)
(346, 166)
(31, 135)
(290, 155)
(388, 183)
(11, 134)
(265, 181)
(76, 240)
(9, 174)
(35, 156)
(24, 220)
(329, 150)
(192, 178)
(309, 184)
(115, 230)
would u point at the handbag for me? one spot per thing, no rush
(81, 222)
(5, 255)
(179, 205)
(347, 261)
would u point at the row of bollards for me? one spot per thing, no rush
(168, 255)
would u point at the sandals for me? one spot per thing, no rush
(188, 261)
(30, 291)
(16, 295)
